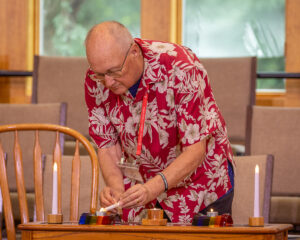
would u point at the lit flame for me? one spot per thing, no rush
(211, 210)
(256, 169)
(102, 210)
(55, 167)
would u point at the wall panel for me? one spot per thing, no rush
(16, 47)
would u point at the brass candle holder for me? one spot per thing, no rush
(256, 221)
(55, 218)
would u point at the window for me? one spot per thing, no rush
(232, 28)
(65, 23)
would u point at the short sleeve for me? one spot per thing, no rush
(101, 129)
(197, 113)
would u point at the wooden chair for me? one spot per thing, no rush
(233, 82)
(276, 131)
(38, 173)
(243, 200)
(53, 113)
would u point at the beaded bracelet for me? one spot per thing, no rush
(164, 179)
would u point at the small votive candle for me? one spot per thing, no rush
(103, 220)
(200, 220)
(211, 213)
(218, 221)
(226, 220)
(101, 212)
(155, 213)
(212, 221)
(91, 219)
(82, 219)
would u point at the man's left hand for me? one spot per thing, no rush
(136, 196)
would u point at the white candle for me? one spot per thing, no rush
(54, 192)
(256, 192)
(110, 207)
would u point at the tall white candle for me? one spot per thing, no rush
(256, 192)
(54, 192)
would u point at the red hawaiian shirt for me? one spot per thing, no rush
(181, 111)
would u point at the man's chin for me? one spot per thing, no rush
(119, 90)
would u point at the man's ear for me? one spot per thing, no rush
(136, 50)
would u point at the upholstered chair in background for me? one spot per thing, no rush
(61, 79)
(276, 131)
(233, 81)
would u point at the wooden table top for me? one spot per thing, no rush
(170, 228)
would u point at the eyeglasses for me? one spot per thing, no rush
(114, 74)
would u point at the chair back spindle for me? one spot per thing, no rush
(75, 184)
(38, 179)
(20, 180)
(8, 216)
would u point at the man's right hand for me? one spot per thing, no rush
(109, 196)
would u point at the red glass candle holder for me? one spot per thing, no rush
(226, 220)
(103, 220)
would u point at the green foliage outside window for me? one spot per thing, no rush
(65, 23)
(232, 28)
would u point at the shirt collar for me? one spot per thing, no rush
(148, 70)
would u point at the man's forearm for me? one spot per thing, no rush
(183, 165)
(108, 159)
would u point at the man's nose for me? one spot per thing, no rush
(109, 81)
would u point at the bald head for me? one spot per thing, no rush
(106, 43)
(108, 34)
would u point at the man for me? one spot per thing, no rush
(161, 138)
